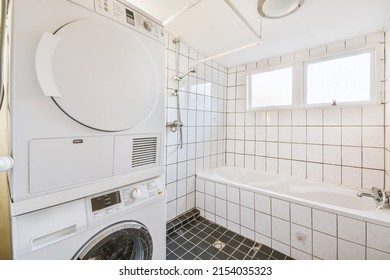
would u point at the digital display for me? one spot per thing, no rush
(106, 200)
(130, 17)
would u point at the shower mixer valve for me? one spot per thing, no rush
(174, 125)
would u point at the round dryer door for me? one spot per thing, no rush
(122, 241)
(100, 74)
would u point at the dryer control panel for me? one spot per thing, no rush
(135, 195)
(130, 17)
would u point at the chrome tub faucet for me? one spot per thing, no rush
(381, 197)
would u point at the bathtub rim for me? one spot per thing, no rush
(379, 217)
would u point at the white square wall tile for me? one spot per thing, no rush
(210, 203)
(332, 174)
(247, 199)
(352, 230)
(263, 203)
(299, 255)
(246, 232)
(373, 136)
(247, 217)
(301, 238)
(351, 116)
(351, 136)
(352, 156)
(285, 118)
(199, 200)
(332, 135)
(314, 135)
(324, 246)
(373, 178)
(314, 172)
(378, 237)
(233, 194)
(298, 117)
(352, 177)
(209, 187)
(263, 239)
(233, 211)
(199, 185)
(281, 230)
(373, 115)
(281, 247)
(263, 223)
(332, 154)
(220, 191)
(314, 117)
(325, 222)
(350, 251)
(373, 158)
(373, 254)
(280, 209)
(301, 215)
(221, 208)
(332, 116)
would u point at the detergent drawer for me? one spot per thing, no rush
(66, 162)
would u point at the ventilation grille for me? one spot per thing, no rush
(144, 151)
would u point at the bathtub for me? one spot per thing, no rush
(301, 218)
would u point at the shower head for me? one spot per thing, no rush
(191, 70)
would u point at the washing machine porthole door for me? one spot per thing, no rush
(127, 240)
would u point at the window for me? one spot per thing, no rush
(342, 79)
(346, 79)
(270, 89)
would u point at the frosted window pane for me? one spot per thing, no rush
(346, 79)
(272, 88)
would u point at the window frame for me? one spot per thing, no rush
(374, 93)
(299, 78)
(266, 70)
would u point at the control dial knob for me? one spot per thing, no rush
(136, 193)
(148, 25)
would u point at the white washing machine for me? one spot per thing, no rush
(86, 99)
(122, 224)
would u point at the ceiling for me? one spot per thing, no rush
(211, 27)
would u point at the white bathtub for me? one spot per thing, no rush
(301, 218)
(325, 196)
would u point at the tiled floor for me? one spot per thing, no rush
(191, 237)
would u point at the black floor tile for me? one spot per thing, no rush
(196, 240)
(188, 256)
(278, 255)
(196, 251)
(172, 256)
(180, 251)
(228, 249)
(261, 256)
(266, 249)
(191, 237)
(238, 255)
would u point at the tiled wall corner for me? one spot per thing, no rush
(202, 108)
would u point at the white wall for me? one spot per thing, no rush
(387, 106)
(202, 105)
(341, 145)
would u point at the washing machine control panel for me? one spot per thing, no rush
(108, 203)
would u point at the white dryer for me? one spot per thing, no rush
(127, 223)
(86, 99)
